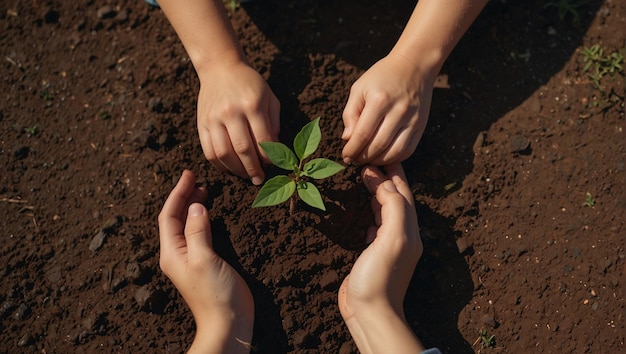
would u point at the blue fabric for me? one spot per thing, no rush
(152, 2)
(431, 351)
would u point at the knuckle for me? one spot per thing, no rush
(250, 105)
(221, 153)
(379, 98)
(242, 147)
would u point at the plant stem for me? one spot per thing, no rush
(292, 204)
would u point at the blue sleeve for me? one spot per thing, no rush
(431, 351)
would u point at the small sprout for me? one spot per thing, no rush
(565, 7)
(104, 115)
(487, 341)
(31, 131)
(589, 200)
(46, 95)
(598, 65)
(449, 186)
(280, 188)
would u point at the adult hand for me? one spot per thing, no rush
(220, 300)
(387, 111)
(371, 297)
(236, 111)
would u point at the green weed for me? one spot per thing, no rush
(565, 7)
(31, 131)
(487, 341)
(598, 65)
(589, 200)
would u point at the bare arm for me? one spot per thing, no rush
(204, 29)
(434, 29)
(236, 107)
(388, 107)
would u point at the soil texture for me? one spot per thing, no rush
(519, 180)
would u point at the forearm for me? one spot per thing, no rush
(205, 31)
(434, 29)
(382, 331)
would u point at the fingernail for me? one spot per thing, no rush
(347, 160)
(256, 180)
(388, 185)
(195, 209)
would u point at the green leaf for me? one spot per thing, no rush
(310, 195)
(280, 155)
(321, 168)
(275, 191)
(308, 139)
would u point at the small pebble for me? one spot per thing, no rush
(105, 11)
(97, 241)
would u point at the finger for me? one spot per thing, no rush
(397, 175)
(401, 148)
(244, 144)
(274, 117)
(372, 177)
(198, 232)
(273, 114)
(375, 204)
(209, 153)
(351, 113)
(224, 151)
(363, 131)
(382, 139)
(171, 217)
(199, 195)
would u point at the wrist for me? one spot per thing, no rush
(207, 67)
(226, 332)
(380, 328)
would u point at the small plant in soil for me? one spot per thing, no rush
(31, 131)
(565, 7)
(597, 65)
(589, 200)
(486, 340)
(280, 188)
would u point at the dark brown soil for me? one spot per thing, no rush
(98, 120)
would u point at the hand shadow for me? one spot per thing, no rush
(441, 286)
(266, 313)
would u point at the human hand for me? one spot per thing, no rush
(371, 296)
(236, 111)
(219, 299)
(387, 111)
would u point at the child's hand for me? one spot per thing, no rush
(236, 111)
(371, 296)
(387, 112)
(218, 297)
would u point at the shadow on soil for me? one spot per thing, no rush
(265, 336)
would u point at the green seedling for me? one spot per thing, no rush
(31, 131)
(47, 96)
(589, 200)
(104, 115)
(565, 7)
(280, 188)
(487, 341)
(597, 64)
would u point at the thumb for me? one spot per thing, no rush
(392, 211)
(198, 231)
